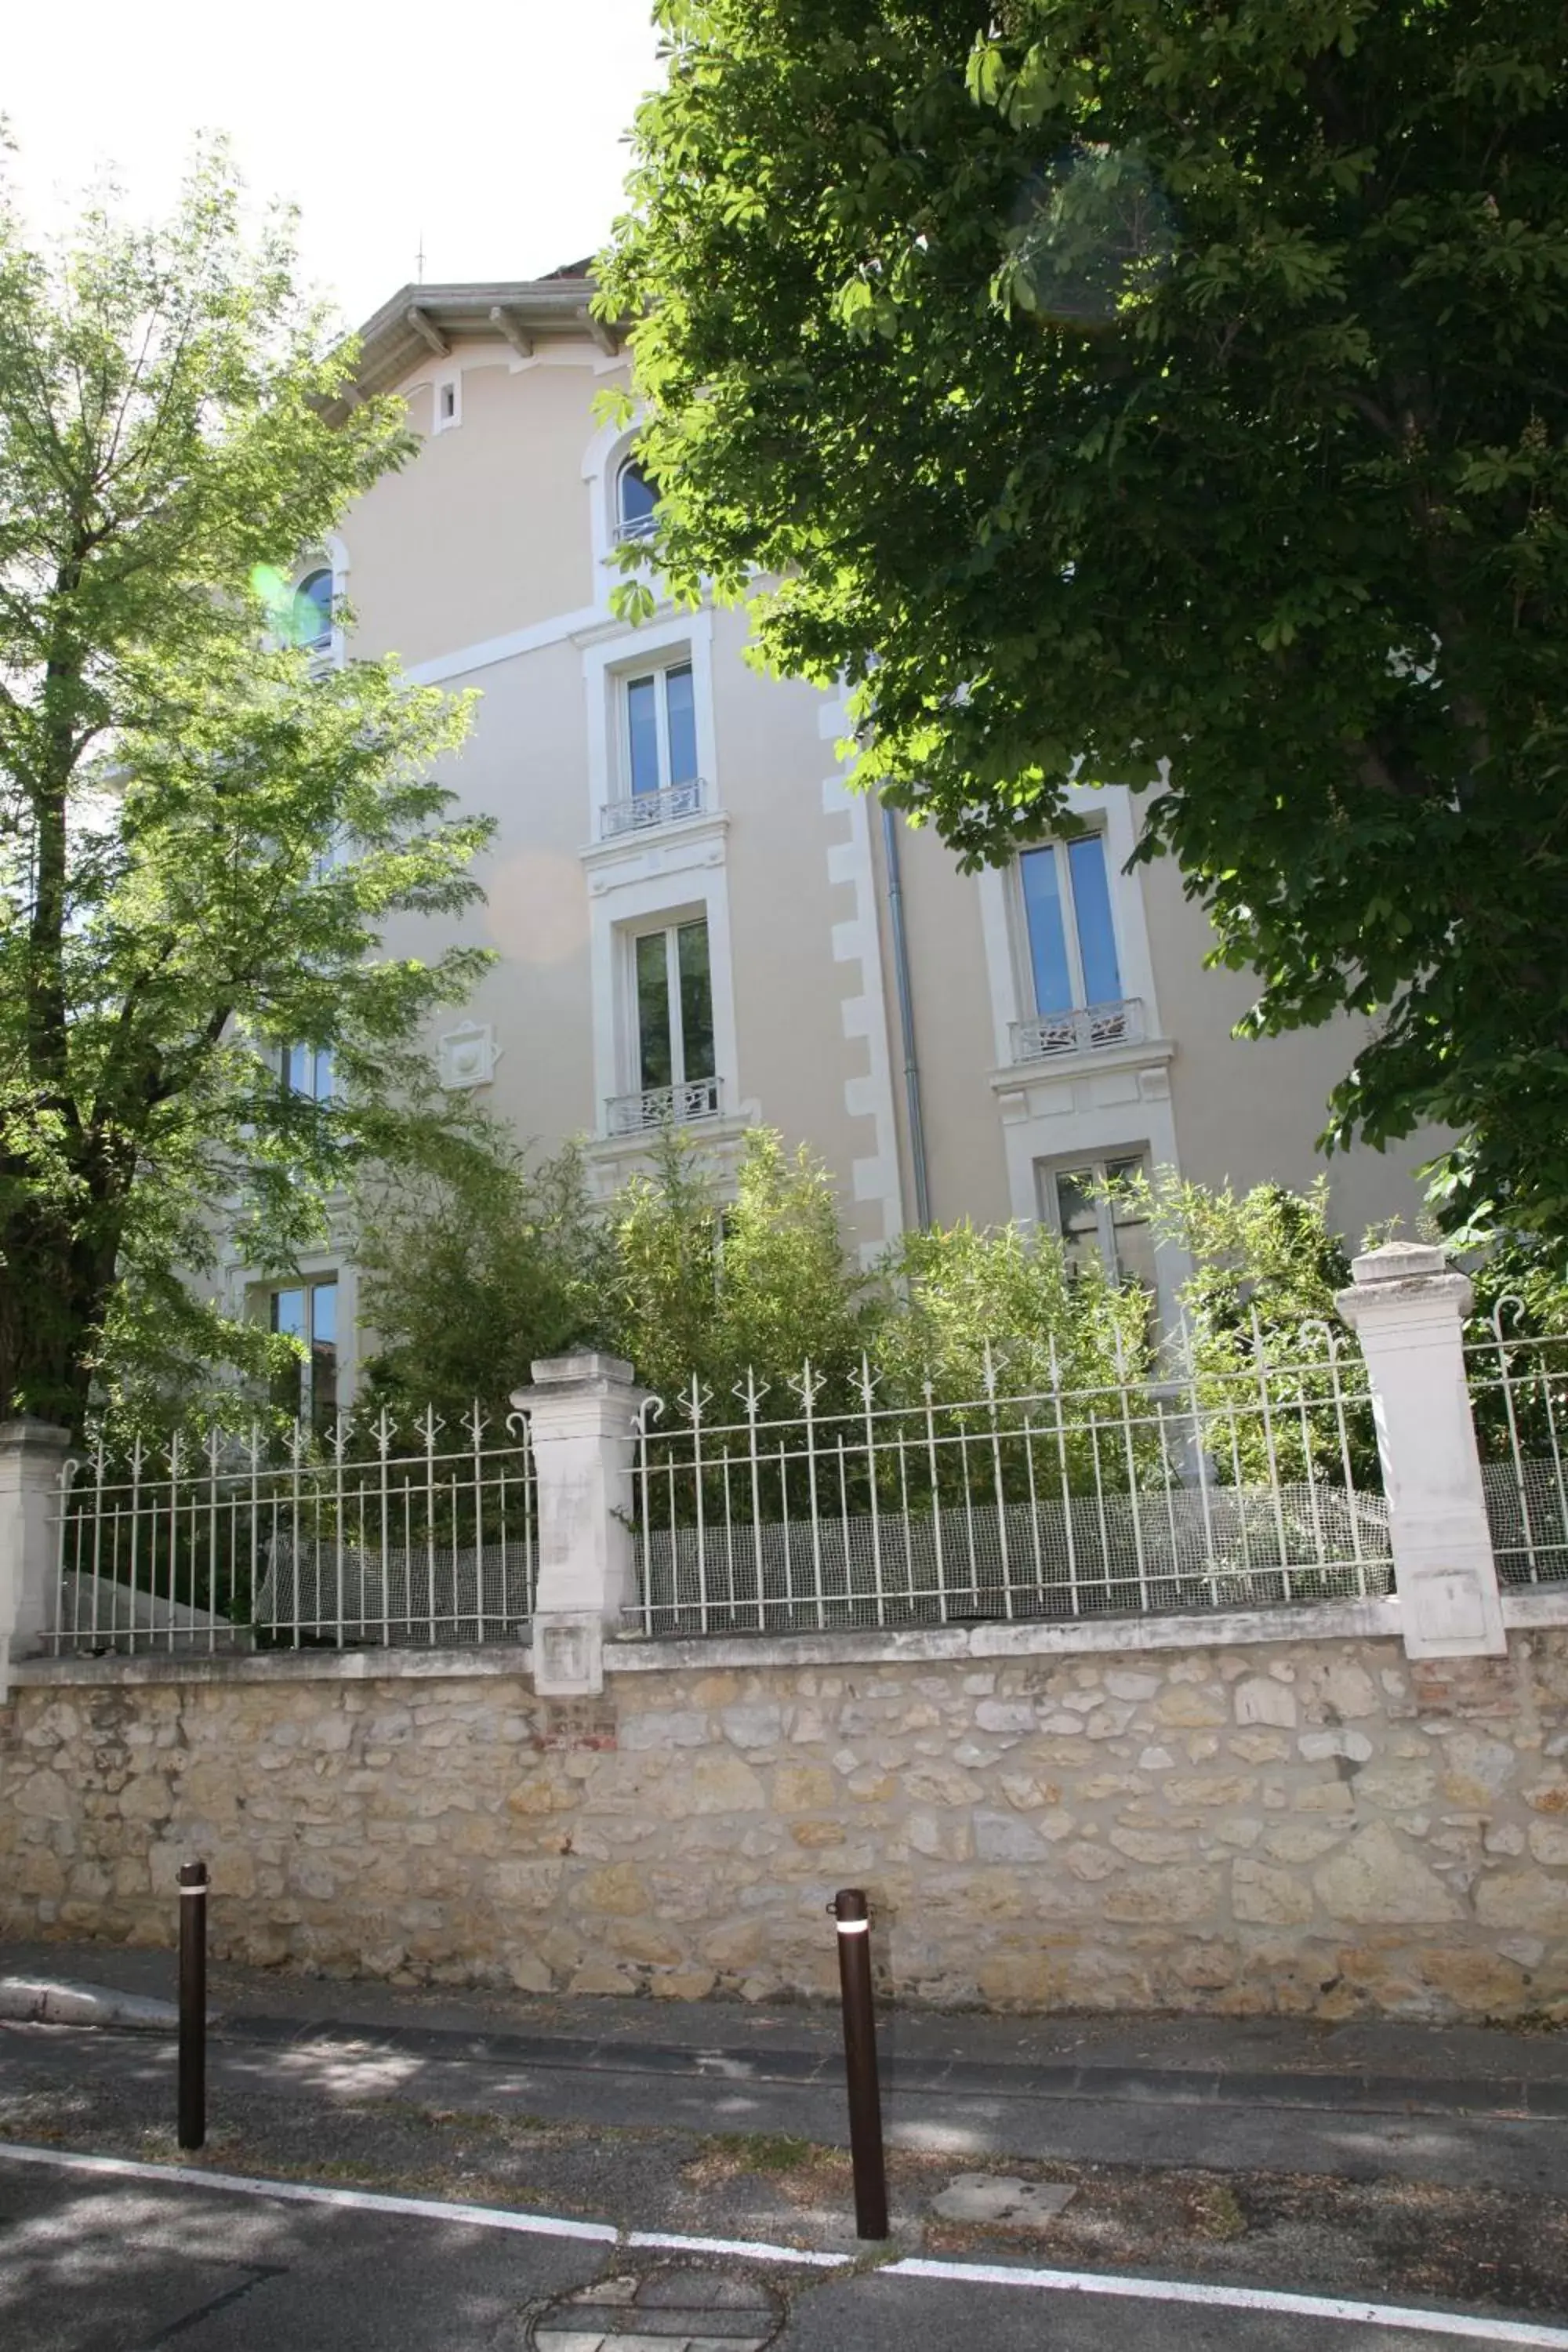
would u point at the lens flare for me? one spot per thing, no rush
(271, 589)
(537, 907)
(1092, 236)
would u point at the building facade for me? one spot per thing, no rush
(696, 921)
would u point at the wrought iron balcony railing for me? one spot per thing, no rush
(645, 810)
(1086, 1029)
(681, 1106)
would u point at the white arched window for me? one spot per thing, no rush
(636, 502)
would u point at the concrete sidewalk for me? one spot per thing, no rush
(1372, 2064)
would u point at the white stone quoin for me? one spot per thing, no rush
(1407, 1309)
(32, 1456)
(583, 1414)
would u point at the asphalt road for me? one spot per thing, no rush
(95, 2264)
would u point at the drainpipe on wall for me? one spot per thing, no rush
(906, 1018)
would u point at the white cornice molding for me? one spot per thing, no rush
(1044, 1069)
(532, 639)
(587, 626)
(655, 849)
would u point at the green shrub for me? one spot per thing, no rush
(726, 1293)
(468, 1273)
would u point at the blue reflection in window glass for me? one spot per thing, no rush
(638, 501)
(1092, 906)
(642, 720)
(308, 1070)
(313, 610)
(680, 714)
(289, 1313)
(1047, 935)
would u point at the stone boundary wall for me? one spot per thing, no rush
(1318, 1827)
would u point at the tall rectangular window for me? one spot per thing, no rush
(1081, 1205)
(674, 1007)
(308, 1311)
(661, 730)
(308, 1070)
(1066, 912)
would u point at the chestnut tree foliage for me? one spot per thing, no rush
(200, 842)
(1179, 387)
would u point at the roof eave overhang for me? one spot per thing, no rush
(421, 323)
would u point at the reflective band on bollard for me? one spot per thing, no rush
(848, 1909)
(192, 2086)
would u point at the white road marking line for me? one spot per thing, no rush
(369, 2200)
(548, 2225)
(1236, 2298)
(752, 2249)
(364, 2200)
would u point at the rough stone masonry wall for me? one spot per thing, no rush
(1307, 1826)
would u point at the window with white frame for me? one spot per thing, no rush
(307, 1313)
(636, 502)
(1086, 1204)
(672, 1044)
(1072, 968)
(448, 402)
(659, 745)
(308, 1070)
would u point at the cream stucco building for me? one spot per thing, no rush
(696, 919)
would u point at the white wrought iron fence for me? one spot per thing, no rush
(1221, 1489)
(381, 1537)
(1518, 1396)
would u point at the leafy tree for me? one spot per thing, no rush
(470, 1274)
(1150, 382)
(1265, 1257)
(472, 1268)
(973, 1309)
(749, 1290)
(993, 1333)
(1277, 1377)
(199, 844)
(1525, 1285)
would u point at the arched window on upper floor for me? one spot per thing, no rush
(636, 502)
(312, 612)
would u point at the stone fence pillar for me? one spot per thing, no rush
(32, 1456)
(1407, 1309)
(583, 1414)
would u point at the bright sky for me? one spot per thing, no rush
(489, 130)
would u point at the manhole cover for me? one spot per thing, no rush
(666, 2311)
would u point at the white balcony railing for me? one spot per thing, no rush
(645, 810)
(681, 1106)
(637, 527)
(1086, 1029)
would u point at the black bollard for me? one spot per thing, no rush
(848, 1907)
(193, 2004)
